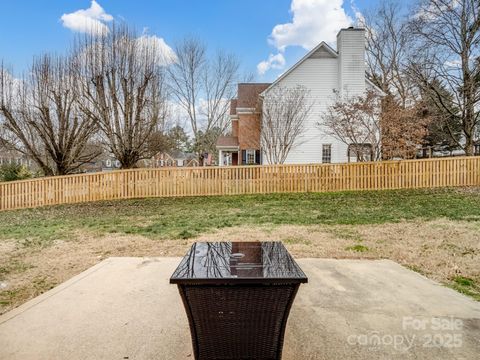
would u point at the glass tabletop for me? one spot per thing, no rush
(238, 262)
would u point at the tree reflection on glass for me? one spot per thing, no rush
(237, 260)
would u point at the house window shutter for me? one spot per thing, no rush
(244, 157)
(257, 157)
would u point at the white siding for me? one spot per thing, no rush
(351, 57)
(322, 76)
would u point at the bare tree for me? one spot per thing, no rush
(355, 121)
(123, 90)
(388, 50)
(42, 119)
(284, 114)
(203, 87)
(447, 60)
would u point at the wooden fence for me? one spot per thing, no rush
(200, 181)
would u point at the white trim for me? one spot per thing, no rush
(369, 82)
(299, 62)
(232, 148)
(234, 117)
(251, 110)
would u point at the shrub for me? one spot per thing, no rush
(12, 172)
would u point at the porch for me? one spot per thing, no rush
(228, 150)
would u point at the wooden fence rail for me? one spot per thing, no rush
(139, 183)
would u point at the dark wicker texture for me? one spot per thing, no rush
(238, 322)
(238, 296)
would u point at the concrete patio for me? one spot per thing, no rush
(124, 308)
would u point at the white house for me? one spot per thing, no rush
(325, 72)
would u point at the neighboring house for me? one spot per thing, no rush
(108, 162)
(103, 162)
(325, 72)
(208, 159)
(10, 157)
(173, 159)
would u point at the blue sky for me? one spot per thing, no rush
(267, 35)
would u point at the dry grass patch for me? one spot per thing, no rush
(28, 271)
(443, 250)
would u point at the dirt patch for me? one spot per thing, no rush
(441, 250)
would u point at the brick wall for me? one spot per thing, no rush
(249, 131)
(234, 127)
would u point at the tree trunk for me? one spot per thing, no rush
(469, 148)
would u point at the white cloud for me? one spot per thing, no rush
(457, 63)
(91, 20)
(12, 85)
(359, 18)
(165, 54)
(273, 62)
(431, 11)
(177, 115)
(313, 21)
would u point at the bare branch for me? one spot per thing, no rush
(355, 121)
(285, 111)
(203, 87)
(122, 90)
(447, 56)
(42, 118)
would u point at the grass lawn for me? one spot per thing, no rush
(435, 232)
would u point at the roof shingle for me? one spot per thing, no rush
(248, 94)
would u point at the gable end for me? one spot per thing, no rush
(321, 53)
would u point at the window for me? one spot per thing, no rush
(326, 153)
(250, 156)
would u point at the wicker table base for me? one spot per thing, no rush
(238, 296)
(238, 321)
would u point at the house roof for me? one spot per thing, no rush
(248, 94)
(370, 82)
(227, 141)
(177, 154)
